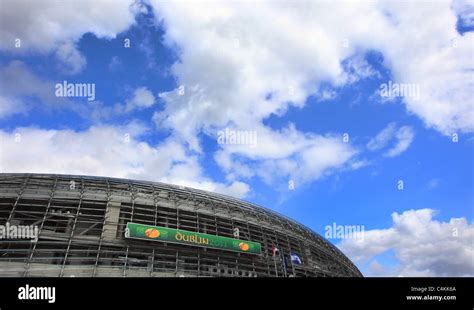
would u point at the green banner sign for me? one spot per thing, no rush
(157, 233)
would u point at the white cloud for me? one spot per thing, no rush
(437, 58)
(239, 67)
(233, 55)
(422, 246)
(382, 138)
(280, 156)
(465, 10)
(142, 98)
(326, 95)
(18, 98)
(403, 137)
(45, 25)
(35, 93)
(71, 59)
(225, 83)
(357, 68)
(237, 71)
(11, 106)
(31, 84)
(115, 63)
(106, 151)
(55, 27)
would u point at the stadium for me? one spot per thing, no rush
(108, 227)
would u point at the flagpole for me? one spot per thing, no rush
(274, 260)
(282, 257)
(292, 265)
(274, 249)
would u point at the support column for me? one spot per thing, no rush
(112, 214)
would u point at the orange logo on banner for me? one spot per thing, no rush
(244, 246)
(152, 233)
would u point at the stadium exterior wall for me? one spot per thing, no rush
(82, 222)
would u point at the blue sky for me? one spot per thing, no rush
(299, 87)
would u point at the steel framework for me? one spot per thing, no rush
(81, 222)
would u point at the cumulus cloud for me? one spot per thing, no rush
(55, 27)
(31, 84)
(465, 11)
(280, 156)
(228, 82)
(142, 98)
(440, 62)
(237, 71)
(238, 67)
(232, 56)
(422, 246)
(106, 151)
(37, 93)
(403, 137)
(45, 25)
(357, 68)
(71, 59)
(15, 97)
(11, 106)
